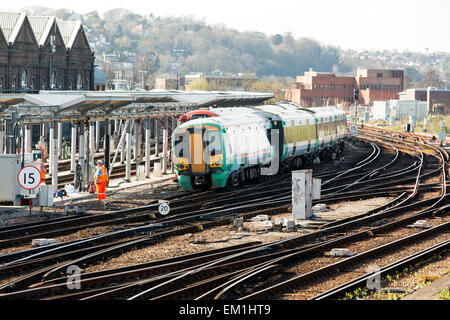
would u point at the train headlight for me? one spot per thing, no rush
(180, 165)
(218, 162)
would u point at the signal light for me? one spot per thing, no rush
(356, 94)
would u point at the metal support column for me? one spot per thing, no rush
(123, 151)
(51, 147)
(107, 143)
(156, 138)
(147, 147)
(2, 134)
(97, 136)
(128, 165)
(59, 145)
(139, 138)
(73, 147)
(28, 137)
(54, 151)
(165, 145)
(81, 154)
(91, 141)
(136, 140)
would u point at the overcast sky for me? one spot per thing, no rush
(350, 24)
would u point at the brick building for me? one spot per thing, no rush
(321, 89)
(43, 53)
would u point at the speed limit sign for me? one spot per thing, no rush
(353, 130)
(164, 208)
(29, 177)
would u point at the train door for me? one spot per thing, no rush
(196, 152)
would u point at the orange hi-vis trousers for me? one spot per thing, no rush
(101, 191)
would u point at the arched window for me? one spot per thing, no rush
(80, 81)
(53, 80)
(24, 81)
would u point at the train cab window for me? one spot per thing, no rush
(181, 145)
(213, 142)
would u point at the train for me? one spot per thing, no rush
(224, 147)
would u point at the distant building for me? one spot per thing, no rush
(41, 52)
(322, 88)
(169, 84)
(231, 81)
(399, 109)
(378, 84)
(438, 100)
(99, 80)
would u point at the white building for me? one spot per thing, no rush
(399, 109)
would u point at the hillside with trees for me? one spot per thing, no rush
(157, 44)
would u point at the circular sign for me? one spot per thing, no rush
(29, 177)
(353, 128)
(164, 209)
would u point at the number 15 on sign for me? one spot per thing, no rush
(29, 177)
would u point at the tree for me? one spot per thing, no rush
(201, 84)
(431, 79)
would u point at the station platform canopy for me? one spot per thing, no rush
(55, 105)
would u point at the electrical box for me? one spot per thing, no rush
(46, 195)
(10, 165)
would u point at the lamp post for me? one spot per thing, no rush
(142, 72)
(356, 97)
(178, 53)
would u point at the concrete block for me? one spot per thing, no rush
(421, 224)
(79, 210)
(341, 252)
(319, 207)
(238, 222)
(157, 172)
(261, 217)
(42, 242)
(290, 225)
(260, 226)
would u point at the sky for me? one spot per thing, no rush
(350, 24)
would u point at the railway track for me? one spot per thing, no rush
(233, 274)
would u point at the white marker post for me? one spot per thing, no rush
(164, 207)
(302, 194)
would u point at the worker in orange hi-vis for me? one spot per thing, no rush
(101, 180)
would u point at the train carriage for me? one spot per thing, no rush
(231, 145)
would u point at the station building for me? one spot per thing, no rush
(320, 88)
(43, 53)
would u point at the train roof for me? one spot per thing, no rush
(226, 120)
